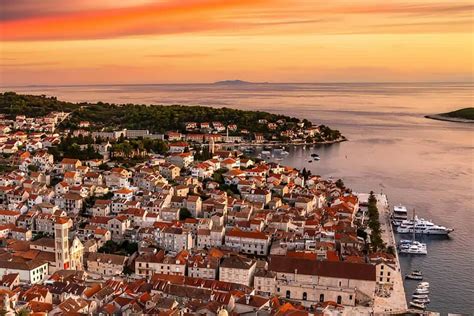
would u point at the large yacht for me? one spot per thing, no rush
(421, 226)
(399, 214)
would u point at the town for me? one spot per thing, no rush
(127, 221)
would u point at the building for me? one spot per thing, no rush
(249, 242)
(61, 243)
(237, 269)
(311, 281)
(30, 271)
(105, 264)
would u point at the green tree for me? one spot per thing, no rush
(184, 213)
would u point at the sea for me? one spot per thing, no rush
(424, 164)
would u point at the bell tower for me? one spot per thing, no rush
(61, 243)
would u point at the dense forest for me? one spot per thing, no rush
(156, 118)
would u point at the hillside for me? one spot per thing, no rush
(465, 115)
(155, 118)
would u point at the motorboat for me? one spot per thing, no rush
(266, 152)
(314, 155)
(422, 226)
(415, 248)
(421, 300)
(399, 214)
(412, 276)
(424, 285)
(317, 158)
(422, 291)
(420, 296)
(310, 161)
(417, 272)
(418, 305)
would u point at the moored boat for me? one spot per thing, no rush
(422, 226)
(422, 291)
(399, 214)
(420, 296)
(412, 276)
(418, 305)
(414, 248)
(421, 300)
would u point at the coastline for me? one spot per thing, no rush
(439, 117)
(281, 143)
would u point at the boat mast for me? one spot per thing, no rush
(413, 238)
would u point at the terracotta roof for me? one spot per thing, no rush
(343, 270)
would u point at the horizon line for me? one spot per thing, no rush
(223, 83)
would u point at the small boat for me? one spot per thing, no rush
(421, 300)
(310, 161)
(284, 153)
(418, 305)
(417, 272)
(420, 296)
(422, 291)
(317, 158)
(412, 276)
(266, 152)
(424, 285)
(314, 155)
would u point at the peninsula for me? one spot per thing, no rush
(196, 124)
(465, 115)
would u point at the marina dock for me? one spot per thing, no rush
(396, 302)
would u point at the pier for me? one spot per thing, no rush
(396, 302)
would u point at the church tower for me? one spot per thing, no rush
(61, 242)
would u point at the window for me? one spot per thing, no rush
(388, 273)
(381, 279)
(381, 267)
(305, 296)
(321, 298)
(350, 297)
(339, 299)
(381, 272)
(288, 294)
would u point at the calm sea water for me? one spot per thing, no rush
(421, 163)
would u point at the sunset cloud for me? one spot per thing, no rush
(208, 40)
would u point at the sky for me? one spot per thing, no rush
(52, 42)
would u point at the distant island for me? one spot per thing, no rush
(465, 115)
(235, 82)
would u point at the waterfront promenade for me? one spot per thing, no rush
(396, 302)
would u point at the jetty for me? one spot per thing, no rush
(396, 303)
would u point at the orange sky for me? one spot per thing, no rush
(174, 41)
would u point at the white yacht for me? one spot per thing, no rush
(421, 226)
(414, 248)
(399, 214)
